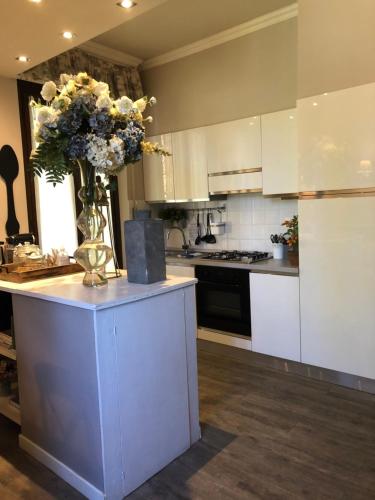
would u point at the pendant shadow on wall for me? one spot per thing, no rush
(9, 170)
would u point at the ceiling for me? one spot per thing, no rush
(176, 23)
(35, 30)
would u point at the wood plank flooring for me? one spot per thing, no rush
(265, 435)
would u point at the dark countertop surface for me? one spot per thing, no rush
(286, 267)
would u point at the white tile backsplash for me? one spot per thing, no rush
(250, 219)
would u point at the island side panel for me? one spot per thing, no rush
(58, 384)
(150, 376)
(192, 364)
(109, 382)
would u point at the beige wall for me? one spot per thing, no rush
(10, 133)
(253, 74)
(336, 45)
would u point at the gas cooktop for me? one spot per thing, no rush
(238, 256)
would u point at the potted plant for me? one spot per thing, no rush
(81, 127)
(291, 234)
(279, 246)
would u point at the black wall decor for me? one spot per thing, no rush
(8, 172)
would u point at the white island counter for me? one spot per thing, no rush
(108, 378)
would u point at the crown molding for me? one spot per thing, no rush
(277, 16)
(112, 55)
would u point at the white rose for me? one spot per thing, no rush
(141, 104)
(101, 88)
(48, 91)
(45, 114)
(104, 102)
(124, 105)
(149, 119)
(61, 102)
(64, 78)
(152, 101)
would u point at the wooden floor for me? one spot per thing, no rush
(266, 435)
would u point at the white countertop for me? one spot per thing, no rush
(69, 290)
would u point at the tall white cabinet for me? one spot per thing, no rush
(279, 152)
(158, 172)
(337, 279)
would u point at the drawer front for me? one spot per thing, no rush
(235, 183)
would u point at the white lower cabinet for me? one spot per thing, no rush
(275, 318)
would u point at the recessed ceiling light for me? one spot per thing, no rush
(126, 4)
(23, 59)
(315, 103)
(36, 1)
(68, 35)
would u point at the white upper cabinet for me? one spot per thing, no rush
(233, 145)
(336, 140)
(190, 165)
(158, 172)
(275, 319)
(279, 152)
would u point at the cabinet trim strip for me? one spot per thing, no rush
(237, 191)
(233, 172)
(337, 193)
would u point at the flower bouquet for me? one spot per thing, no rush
(82, 127)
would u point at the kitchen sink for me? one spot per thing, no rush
(180, 254)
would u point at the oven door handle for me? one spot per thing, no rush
(226, 285)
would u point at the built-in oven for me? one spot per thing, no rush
(223, 299)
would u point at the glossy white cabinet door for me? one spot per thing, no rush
(279, 152)
(158, 172)
(235, 183)
(336, 135)
(234, 145)
(190, 165)
(275, 321)
(337, 279)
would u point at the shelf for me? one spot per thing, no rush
(7, 353)
(9, 410)
(4, 349)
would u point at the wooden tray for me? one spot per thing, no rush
(17, 273)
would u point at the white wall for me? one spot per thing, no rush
(10, 133)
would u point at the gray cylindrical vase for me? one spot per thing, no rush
(145, 251)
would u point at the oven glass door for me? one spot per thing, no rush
(224, 307)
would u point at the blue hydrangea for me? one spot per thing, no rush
(80, 109)
(77, 147)
(101, 123)
(132, 136)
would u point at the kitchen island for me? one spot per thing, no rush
(107, 378)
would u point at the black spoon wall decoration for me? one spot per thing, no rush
(8, 172)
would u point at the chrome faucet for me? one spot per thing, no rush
(185, 245)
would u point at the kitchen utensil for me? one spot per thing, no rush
(198, 239)
(210, 238)
(9, 171)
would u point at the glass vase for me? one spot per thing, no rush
(93, 254)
